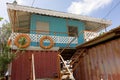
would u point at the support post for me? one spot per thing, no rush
(33, 68)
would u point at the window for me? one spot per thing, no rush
(42, 26)
(72, 31)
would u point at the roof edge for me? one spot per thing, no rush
(57, 14)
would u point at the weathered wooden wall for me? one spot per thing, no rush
(100, 62)
(46, 65)
(21, 67)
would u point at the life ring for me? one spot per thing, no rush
(28, 40)
(42, 42)
(9, 42)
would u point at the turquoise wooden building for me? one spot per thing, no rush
(48, 30)
(61, 27)
(66, 30)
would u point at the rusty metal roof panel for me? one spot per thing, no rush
(100, 62)
(56, 13)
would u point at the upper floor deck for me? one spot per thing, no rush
(60, 39)
(63, 28)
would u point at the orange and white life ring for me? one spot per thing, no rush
(9, 42)
(42, 42)
(28, 40)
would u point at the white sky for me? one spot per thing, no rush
(87, 6)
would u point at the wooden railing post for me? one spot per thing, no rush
(33, 68)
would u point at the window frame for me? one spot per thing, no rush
(40, 30)
(71, 34)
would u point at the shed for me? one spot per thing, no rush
(100, 59)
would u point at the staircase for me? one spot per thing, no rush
(75, 59)
(66, 73)
(70, 65)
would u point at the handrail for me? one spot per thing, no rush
(71, 75)
(77, 57)
(23, 29)
(88, 35)
(71, 42)
(55, 33)
(68, 45)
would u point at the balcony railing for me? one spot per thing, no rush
(60, 39)
(88, 35)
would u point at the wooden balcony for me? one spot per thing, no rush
(60, 39)
(88, 35)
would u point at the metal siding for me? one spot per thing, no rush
(56, 13)
(21, 67)
(46, 65)
(100, 61)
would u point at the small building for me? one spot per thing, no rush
(100, 59)
(47, 33)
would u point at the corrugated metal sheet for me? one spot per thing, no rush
(21, 67)
(46, 65)
(100, 62)
(56, 13)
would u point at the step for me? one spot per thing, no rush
(46, 79)
(65, 73)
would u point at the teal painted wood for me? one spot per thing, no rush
(57, 25)
(81, 28)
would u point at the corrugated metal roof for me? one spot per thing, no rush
(56, 13)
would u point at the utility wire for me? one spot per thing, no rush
(33, 2)
(111, 10)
